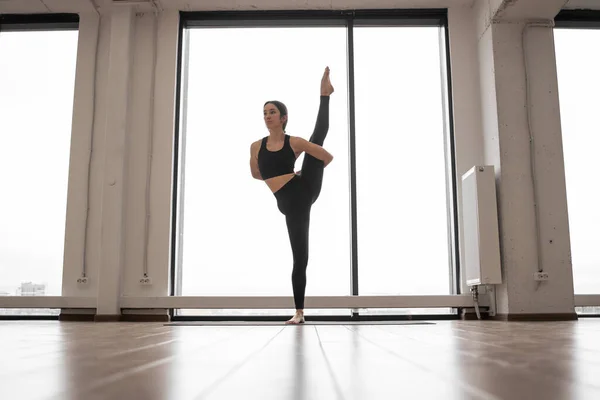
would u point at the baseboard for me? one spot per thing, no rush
(145, 315)
(107, 318)
(76, 317)
(145, 318)
(469, 314)
(473, 316)
(535, 317)
(114, 318)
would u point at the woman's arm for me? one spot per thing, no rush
(318, 152)
(254, 161)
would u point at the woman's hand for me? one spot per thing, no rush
(301, 145)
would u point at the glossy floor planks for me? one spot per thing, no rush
(447, 360)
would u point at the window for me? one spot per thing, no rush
(37, 76)
(230, 238)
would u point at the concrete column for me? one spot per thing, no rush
(113, 186)
(149, 170)
(534, 230)
(76, 259)
(84, 202)
(161, 167)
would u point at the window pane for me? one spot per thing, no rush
(277, 312)
(588, 310)
(401, 171)
(29, 311)
(235, 240)
(579, 83)
(37, 76)
(408, 311)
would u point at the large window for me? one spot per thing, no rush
(37, 76)
(380, 226)
(578, 80)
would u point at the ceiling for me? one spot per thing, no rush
(82, 6)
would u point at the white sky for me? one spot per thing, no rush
(236, 240)
(37, 76)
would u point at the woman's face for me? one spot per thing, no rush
(272, 117)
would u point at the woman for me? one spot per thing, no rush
(272, 159)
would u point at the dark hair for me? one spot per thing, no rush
(282, 110)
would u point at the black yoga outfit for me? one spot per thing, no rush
(297, 196)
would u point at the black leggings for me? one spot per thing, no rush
(295, 200)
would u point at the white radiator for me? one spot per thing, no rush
(480, 222)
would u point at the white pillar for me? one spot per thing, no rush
(506, 94)
(82, 133)
(161, 172)
(113, 185)
(150, 171)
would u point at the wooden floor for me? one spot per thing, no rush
(447, 360)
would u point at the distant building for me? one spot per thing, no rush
(31, 289)
(28, 289)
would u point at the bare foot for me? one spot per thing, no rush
(298, 318)
(326, 87)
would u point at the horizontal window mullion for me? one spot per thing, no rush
(281, 18)
(38, 22)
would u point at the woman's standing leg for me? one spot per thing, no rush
(298, 227)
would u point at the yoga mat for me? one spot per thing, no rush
(278, 323)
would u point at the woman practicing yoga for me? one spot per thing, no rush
(272, 159)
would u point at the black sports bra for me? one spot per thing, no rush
(275, 163)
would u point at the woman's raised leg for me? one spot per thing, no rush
(312, 168)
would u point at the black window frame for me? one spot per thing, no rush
(330, 18)
(38, 22)
(578, 19)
